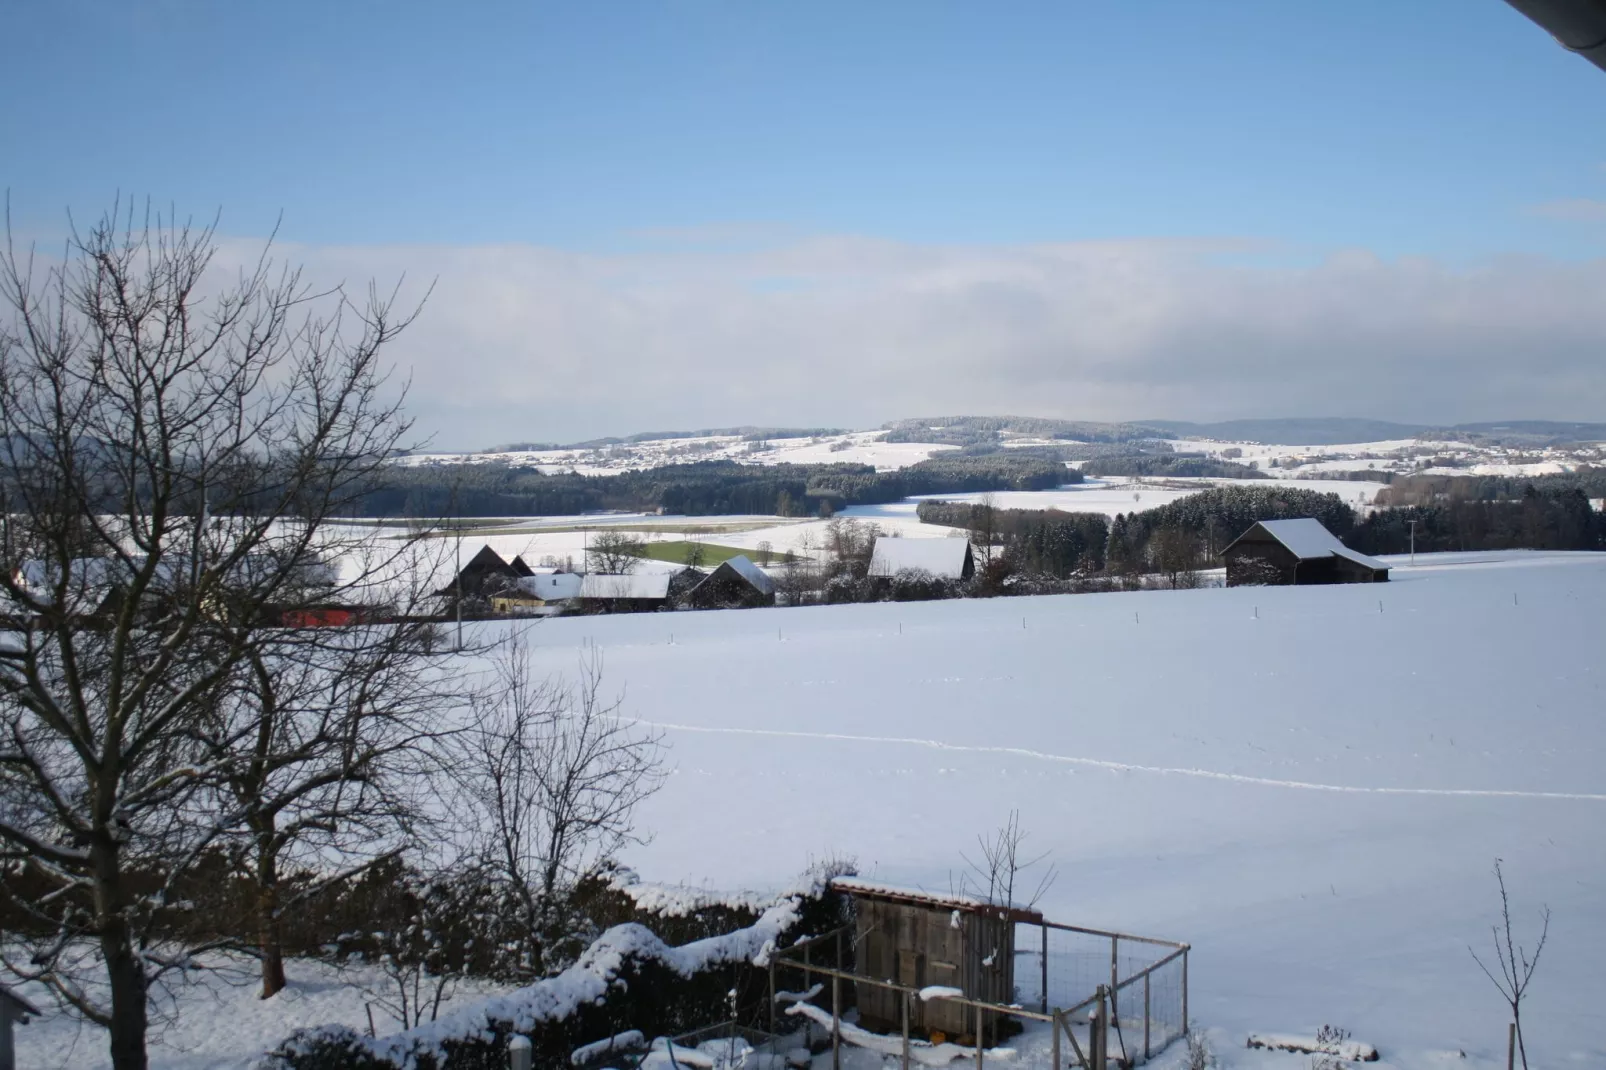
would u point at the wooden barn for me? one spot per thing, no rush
(921, 940)
(735, 584)
(1302, 551)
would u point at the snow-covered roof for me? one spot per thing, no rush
(752, 573)
(944, 558)
(633, 585)
(1308, 540)
(939, 900)
(551, 586)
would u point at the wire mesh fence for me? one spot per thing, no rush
(1058, 967)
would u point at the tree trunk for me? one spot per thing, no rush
(125, 974)
(270, 938)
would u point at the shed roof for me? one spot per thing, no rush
(944, 557)
(1308, 540)
(934, 900)
(644, 585)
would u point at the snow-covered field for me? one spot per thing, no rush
(1310, 785)
(1314, 798)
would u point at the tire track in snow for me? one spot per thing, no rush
(1122, 767)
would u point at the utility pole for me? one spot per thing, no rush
(459, 598)
(1413, 540)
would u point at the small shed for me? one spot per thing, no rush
(1299, 551)
(947, 559)
(735, 584)
(923, 940)
(13, 1010)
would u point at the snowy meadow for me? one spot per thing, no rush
(1309, 785)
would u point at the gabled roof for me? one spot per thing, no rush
(1308, 540)
(633, 585)
(488, 560)
(944, 557)
(751, 573)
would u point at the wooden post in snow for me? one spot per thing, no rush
(836, 1022)
(906, 1030)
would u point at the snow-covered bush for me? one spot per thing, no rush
(629, 978)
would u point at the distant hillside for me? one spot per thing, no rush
(1284, 431)
(1294, 431)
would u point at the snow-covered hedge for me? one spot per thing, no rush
(627, 979)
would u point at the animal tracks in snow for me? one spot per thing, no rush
(1127, 767)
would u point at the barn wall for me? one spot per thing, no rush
(1270, 562)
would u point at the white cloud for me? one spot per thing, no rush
(522, 342)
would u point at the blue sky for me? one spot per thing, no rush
(1452, 130)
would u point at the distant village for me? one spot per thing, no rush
(1295, 551)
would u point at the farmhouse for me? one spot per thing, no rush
(1298, 551)
(538, 595)
(735, 584)
(482, 570)
(946, 559)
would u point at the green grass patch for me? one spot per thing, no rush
(674, 551)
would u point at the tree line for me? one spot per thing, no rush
(707, 488)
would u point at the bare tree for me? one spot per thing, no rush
(984, 528)
(173, 446)
(1001, 864)
(696, 552)
(553, 776)
(1516, 968)
(320, 743)
(765, 551)
(1176, 555)
(615, 552)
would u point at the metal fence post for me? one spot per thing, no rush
(1045, 967)
(1115, 971)
(1145, 1018)
(1056, 1063)
(979, 1032)
(1185, 1024)
(836, 1022)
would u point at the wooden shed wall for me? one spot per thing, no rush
(919, 946)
